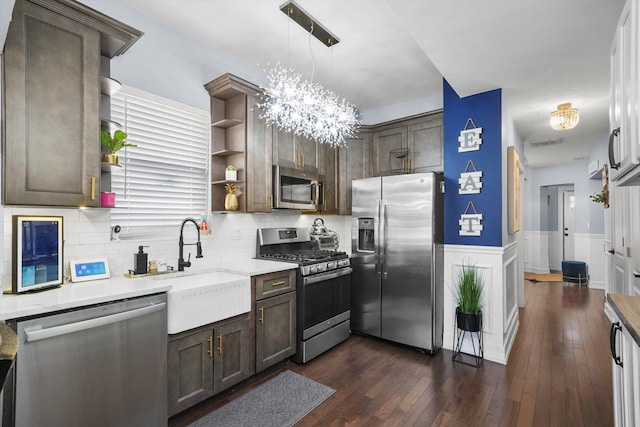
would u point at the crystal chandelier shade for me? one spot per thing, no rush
(306, 108)
(565, 117)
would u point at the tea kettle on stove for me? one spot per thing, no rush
(318, 228)
(326, 238)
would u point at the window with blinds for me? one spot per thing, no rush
(165, 178)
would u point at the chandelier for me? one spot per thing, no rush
(564, 117)
(304, 107)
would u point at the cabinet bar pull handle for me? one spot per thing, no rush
(220, 342)
(280, 283)
(210, 339)
(261, 315)
(612, 161)
(615, 328)
(93, 188)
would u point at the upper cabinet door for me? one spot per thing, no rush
(384, 142)
(624, 150)
(294, 151)
(353, 163)
(425, 145)
(51, 106)
(259, 164)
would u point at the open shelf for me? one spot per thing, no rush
(226, 153)
(109, 86)
(226, 123)
(224, 181)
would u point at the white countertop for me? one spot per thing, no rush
(73, 295)
(255, 267)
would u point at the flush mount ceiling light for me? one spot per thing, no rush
(304, 107)
(565, 117)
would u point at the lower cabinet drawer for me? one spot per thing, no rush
(272, 284)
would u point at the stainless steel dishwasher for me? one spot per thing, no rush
(99, 366)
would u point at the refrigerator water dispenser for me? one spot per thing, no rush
(366, 235)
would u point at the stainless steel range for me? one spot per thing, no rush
(324, 288)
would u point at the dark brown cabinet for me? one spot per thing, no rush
(189, 369)
(207, 360)
(328, 177)
(383, 143)
(353, 163)
(295, 151)
(51, 101)
(424, 140)
(239, 138)
(408, 146)
(51, 66)
(275, 296)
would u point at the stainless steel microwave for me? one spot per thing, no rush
(295, 189)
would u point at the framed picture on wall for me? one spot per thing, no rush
(513, 189)
(37, 245)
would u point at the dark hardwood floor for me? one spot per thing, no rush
(559, 374)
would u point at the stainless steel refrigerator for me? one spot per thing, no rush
(397, 259)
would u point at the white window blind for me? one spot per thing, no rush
(165, 178)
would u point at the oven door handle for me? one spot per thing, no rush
(326, 276)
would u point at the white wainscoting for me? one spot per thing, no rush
(536, 252)
(591, 249)
(500, 315)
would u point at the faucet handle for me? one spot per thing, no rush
(198, 250)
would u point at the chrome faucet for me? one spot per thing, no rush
(181, 262)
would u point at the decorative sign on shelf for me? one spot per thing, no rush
(469, 138)
(470, 181)
(470, 223)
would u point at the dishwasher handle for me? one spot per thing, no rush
(56, 331)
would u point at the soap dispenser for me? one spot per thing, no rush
(140, 261)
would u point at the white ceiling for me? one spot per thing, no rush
(394, 53)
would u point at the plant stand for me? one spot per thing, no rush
(472, 359)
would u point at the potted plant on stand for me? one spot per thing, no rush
(468, 294)
(113, 144)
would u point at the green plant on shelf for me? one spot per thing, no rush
(115, 143)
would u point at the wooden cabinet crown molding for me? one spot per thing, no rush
(227, 86)
(115, 36)
(401, 121)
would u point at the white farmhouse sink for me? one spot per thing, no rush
(199, 299)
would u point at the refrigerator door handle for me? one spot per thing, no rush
(383, 237)
(376, 239)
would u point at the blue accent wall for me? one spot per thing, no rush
(486, 111)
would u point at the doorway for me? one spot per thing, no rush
(568, 241)
(557, 218)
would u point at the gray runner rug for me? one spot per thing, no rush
(281, 401)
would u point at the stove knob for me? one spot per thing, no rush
(331, 265)
(313, 269)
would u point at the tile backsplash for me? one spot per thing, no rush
(87, 234)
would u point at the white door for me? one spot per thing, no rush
(568, 204)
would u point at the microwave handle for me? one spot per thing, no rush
(319, 200)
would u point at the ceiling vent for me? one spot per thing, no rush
(536, 144)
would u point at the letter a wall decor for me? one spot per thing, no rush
(470, 181)
(469, 139)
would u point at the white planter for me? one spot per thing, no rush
(231, 175)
